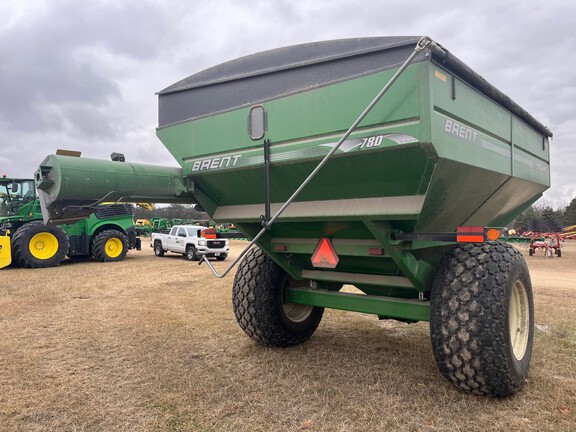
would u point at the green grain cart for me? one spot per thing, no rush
(380, 163)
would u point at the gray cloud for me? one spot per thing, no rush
(54, 59)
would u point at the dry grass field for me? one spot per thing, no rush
(151, 344)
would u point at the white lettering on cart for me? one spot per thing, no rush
(215, 163)
(459, 130)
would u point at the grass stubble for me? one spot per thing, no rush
(151, 344)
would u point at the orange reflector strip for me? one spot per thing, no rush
(493, 234)
(470, 234)
(325, 255)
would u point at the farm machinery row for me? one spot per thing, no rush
(145, 227)
(380, 163)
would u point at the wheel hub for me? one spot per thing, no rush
(297, 312)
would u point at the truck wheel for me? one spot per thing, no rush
(37, 246)
(257, 297)
(530, 251)
(482, 318)
(559, 252)
(110, 246)
(191, 254)
(158, 249)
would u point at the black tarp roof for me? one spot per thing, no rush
(283, 71)
(290, 57)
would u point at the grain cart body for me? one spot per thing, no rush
(442, 149)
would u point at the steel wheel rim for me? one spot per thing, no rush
(519, 315)
(43, 245)
(297, 312)
(113, 247)
(294, 311)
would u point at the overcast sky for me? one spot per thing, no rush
(82, 75)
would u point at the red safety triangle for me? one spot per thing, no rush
(325, 255)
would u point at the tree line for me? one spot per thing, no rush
(543, 218)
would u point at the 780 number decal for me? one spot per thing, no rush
(371, 142)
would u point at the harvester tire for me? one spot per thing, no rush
(191, 254)
(257, 297)
(482, 318)
(35, 245)
(158, 249)
(110, 246)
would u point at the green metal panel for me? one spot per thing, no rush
(460, 142)
(88, 227)
(467, 127)
(384, 307)
(315, 113)
(340, 179)
(531, 154)
(529, 141)
(458, 101)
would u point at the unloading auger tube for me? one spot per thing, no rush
(61, 178)
(423, 43)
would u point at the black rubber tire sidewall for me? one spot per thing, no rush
(158, 249)
(257, 298)
(469, 318)
(191, 254)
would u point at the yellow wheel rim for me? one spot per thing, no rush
(519, 320)
(43, 246)
(113, 247)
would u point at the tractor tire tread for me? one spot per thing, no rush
(99, 246)
(468, 318)
(258, 304)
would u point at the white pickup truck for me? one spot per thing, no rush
(192, 241)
